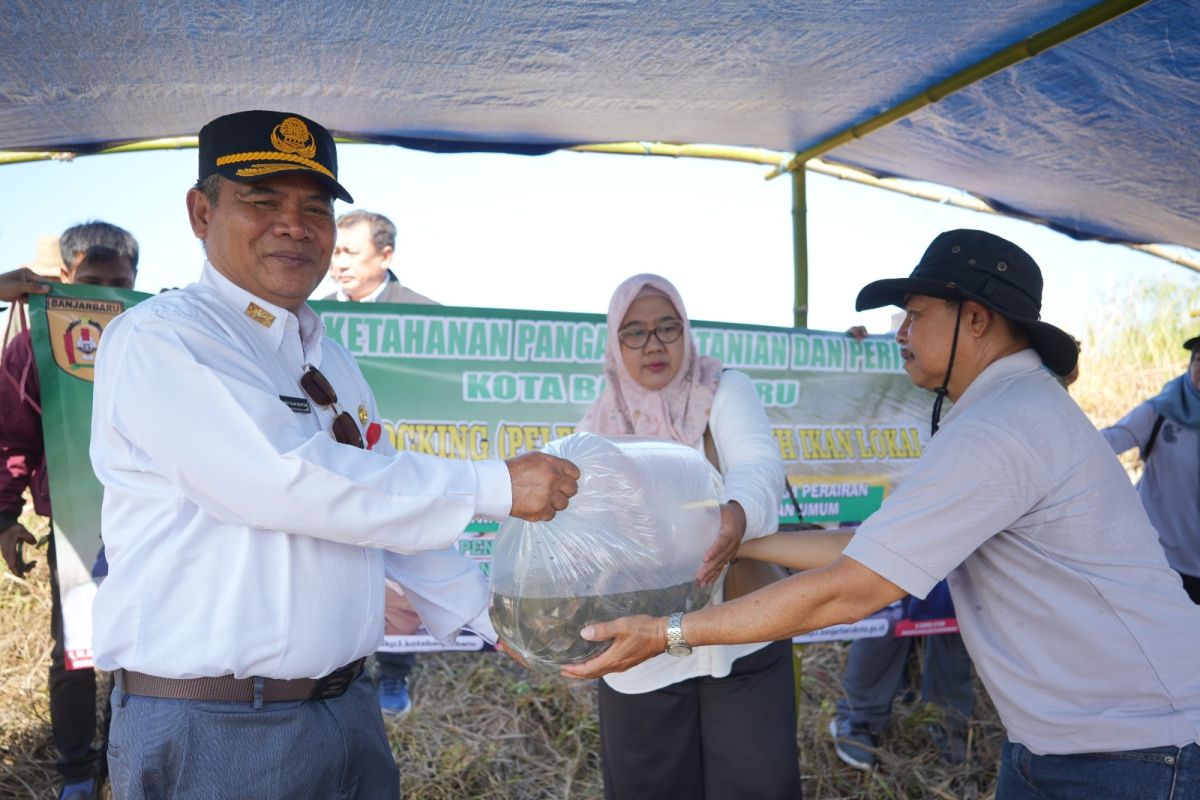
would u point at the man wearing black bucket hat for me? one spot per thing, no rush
(252, 505)
(972, 266)
(1080, 631)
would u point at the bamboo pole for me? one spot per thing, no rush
(144, 145)
(750, 155)
(776, 158)
(763, 156)
(1082, 22)
(971, 203)
(800, 249)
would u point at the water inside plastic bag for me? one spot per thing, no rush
(630, 542)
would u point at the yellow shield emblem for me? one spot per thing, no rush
(293, 136)
(75, 328)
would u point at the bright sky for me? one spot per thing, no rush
(561, 231)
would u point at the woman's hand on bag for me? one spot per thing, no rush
(724, 549)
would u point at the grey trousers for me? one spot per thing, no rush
(875, 673)
(202, 750)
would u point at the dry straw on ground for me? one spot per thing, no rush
(484, 728)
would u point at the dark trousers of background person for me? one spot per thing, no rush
(395, 665)
(875, 671)
(72, 700)
(706, 738)
(1191, 585)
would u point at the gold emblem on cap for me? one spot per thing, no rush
(362, 415)
(260, 315)
(293, 143)
(293, 136)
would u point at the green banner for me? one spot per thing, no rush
(66, 327)
(489, 383)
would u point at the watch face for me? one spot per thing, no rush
(676, 645)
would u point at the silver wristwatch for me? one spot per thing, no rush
(676, 644)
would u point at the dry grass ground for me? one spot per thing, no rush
(26, 752)
(484, 728)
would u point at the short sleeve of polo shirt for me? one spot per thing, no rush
(974, 481)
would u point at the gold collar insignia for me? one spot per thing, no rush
(260, 315)
(363, 417)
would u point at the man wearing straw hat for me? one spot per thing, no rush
(1081, 632)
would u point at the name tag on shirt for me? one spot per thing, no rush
(297, 404)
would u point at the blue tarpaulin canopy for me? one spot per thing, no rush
(1096, 136)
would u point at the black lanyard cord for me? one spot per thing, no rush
(941, 392)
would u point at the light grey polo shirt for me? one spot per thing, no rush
(1080, 631)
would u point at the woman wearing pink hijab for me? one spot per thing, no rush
(705, 722)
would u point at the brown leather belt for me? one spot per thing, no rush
(241, 690)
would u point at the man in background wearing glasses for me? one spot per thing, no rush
(252, 505)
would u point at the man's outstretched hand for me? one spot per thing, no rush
(635, 639)
(542, 485)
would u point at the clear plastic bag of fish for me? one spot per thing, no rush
(630, 542)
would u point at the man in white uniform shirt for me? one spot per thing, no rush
(252, 506)
(1081, 632)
